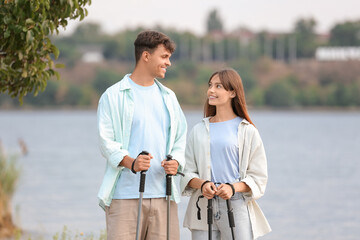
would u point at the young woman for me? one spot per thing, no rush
(225, 159)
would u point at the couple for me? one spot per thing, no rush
(224, 155)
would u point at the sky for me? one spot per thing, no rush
(191, 15)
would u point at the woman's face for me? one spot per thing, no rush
(216, 93)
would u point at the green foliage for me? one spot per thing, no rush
(46, 98)
(345, 34)
(309, 96)
(305, 37)
(73, 95)
(203, 75)
(68, 53)
(67, 235)
(281, 94)
(245, 69)
(26, 51)
(9, 175)
(214, 22)
(121, 46)
(105, 79)
(255, 97)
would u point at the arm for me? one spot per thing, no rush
(256, 174)
(110, 148)
(178, 149)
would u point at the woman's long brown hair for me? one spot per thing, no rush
(231, 81)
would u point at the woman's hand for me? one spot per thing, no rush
(209, 190)
(224, 191)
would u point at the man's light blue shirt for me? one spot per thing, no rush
(115, 118)
(149, 131)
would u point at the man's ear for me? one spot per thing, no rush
(145, 56)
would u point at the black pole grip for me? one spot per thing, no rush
(168, 185)
(142, 175)
(168, 178)
(209, 212)
(142, 181)
(230, 213)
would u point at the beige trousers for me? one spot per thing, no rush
(121, 219)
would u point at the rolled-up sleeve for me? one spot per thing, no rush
(256, 174)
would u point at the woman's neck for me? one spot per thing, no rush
(223, 114)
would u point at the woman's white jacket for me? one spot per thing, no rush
(252, 167)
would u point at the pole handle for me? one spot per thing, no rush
(142, 175)
(230, 213)
(209, 212)
(168, 178)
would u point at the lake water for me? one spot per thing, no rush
(313, 162)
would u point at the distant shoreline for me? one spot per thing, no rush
(198, 108)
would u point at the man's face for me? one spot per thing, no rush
(159, 60)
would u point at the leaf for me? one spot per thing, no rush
(29, 21)
(56, 51)
(60, 65)
(57, 75)
(21, 56)
(29, 36)
(24, 74)
(7, 33)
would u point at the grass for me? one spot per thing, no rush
(66, 234)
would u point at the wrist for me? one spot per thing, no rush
(203, 184)
(232, 188)
(133, 165)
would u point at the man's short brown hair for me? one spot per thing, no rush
(149, 41)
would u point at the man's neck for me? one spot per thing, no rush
(142, 78)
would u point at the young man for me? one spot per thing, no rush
(138, 113)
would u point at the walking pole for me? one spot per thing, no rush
(209, 217)
(141, 192)
(168, 195)
(231, 218)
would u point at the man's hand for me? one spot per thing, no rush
(170, 167)
(142, 162)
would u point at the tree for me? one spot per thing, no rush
(26, 51)
(281, 94)
(345, 34)
(305, 37)
(214, 23)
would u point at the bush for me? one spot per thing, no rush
(280, 94)
(104, 79)
(9, 175)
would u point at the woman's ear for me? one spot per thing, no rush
(233, 94)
